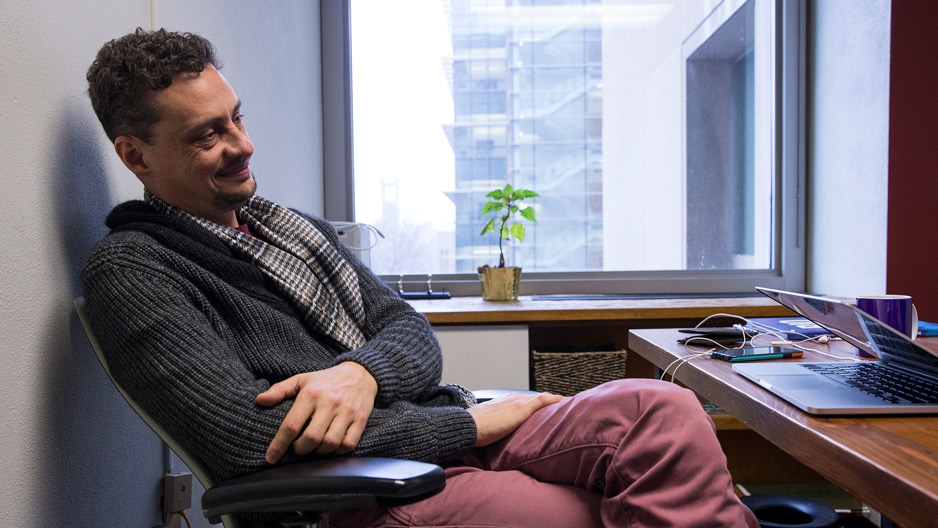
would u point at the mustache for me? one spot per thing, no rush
(237, 166)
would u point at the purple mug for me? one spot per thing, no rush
(896, 311)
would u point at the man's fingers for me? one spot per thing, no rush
(275, 451)
(329, 411)
(543, 400)
(497, 418)
(333, 440)
(532, 402)
(314, 433)
(278, 392)
(352, 436)
(292, 426)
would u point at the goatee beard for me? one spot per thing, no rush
(235, 199)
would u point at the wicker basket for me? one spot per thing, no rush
(571, 369)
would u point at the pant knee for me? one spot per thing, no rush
(646, 397)
(652, 391)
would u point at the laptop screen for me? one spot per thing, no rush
(857, 328)
(829, 313)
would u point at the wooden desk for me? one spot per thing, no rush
(890, 463)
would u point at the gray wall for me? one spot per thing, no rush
(74, 454)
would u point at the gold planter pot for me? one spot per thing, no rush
(500, 284)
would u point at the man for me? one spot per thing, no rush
(255, 337)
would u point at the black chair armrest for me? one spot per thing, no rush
(323, 485)
(318, 486)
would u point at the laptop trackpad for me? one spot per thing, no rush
(811, 392)
(803, 382)
(814, 393)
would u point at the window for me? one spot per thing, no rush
(662, 138)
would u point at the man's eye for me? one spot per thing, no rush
(206, 139)
(238, 118)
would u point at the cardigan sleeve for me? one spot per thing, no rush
(168, 332)
(401, 352)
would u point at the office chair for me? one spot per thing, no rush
(304, 490)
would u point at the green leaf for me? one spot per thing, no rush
(505, 202)
(517, 231)
(490, 226)
(490, 207)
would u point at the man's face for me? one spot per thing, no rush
(199, 158)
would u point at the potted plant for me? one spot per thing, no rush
(503, 282)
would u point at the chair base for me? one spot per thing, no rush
(305, 520)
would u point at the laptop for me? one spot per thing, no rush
(903, 380)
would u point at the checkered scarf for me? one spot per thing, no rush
(304, 265)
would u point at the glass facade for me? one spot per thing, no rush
(527, 97)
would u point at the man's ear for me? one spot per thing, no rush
(130, 150)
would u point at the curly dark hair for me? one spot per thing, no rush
(127, 70)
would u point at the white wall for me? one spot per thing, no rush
(74, 454)
(848, 147)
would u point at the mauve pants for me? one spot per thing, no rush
(636, 452)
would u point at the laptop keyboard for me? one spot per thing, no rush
(876, 379)
(895, 346)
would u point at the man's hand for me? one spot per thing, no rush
(496, 419)
(329, 413)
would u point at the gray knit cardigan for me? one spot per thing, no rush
(194, 333)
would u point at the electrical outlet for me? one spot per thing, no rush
(177, 492)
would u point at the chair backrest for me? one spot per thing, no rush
(194, 464)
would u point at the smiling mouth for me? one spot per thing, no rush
(241, 170)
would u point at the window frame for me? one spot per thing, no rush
(788, 256)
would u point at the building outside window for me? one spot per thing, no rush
(661, 136)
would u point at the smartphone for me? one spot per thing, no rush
(723, 335)
(756, 354)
